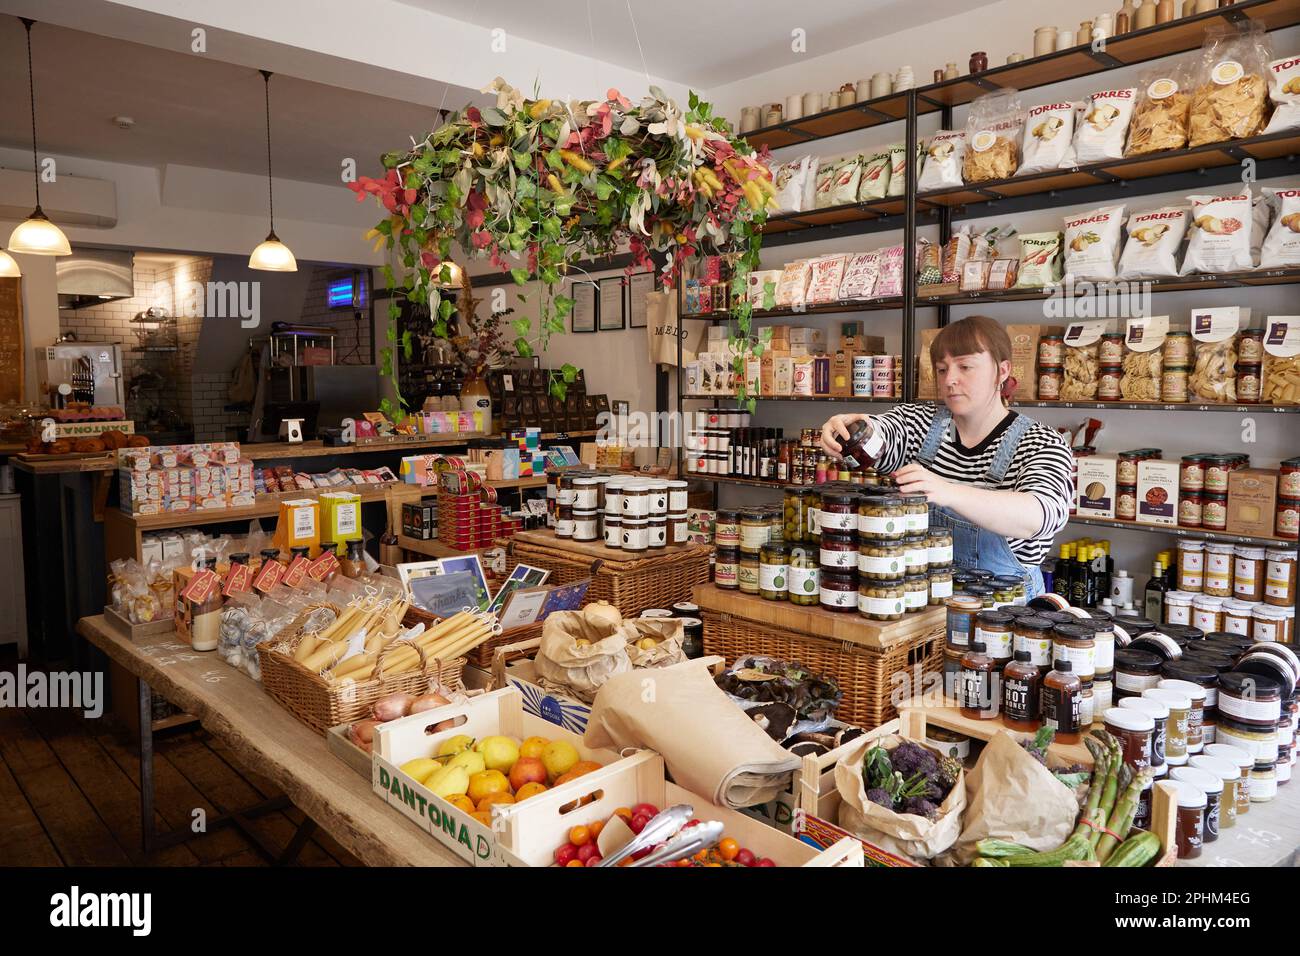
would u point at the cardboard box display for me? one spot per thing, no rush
(783, 375)
(1096, 486)
(1157, 492)
(1252, 501)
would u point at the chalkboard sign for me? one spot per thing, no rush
(11, 340)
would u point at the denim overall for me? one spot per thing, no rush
(973, 546)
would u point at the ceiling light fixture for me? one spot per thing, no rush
(271, 255)
(37, 236)
(8, 267)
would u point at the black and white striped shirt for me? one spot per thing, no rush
(1042, 466)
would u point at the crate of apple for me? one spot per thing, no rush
(583, 850)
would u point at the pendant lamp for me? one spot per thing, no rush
(8, 267)
(271, 255)
(36, 236)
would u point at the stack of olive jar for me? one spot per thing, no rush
(842, 546)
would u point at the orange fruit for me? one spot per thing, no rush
(487, 782)
(579, 769)
(492, 798)
(533, 747)
(529, 790)
(713, 864)
(702, 855)
(595, 826)
(625, 813)
(728, 848)
(484, 817)
(461, 802)
(580, 836)
(575, 863)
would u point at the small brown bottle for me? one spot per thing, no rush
(978, 700)
(1062, 697)
(1020, 692)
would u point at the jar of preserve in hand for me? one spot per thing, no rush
(863, 447)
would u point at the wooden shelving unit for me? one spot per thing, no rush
(1180, 532)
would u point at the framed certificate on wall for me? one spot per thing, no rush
(583, 317)
(639, 286)
(611, 314)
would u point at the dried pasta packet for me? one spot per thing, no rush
(1160, 115)
(791, 181)
(1040, 260)
(874, 179)
(792, 290)
(1214, 354)
(1232, 89)
(1219, 239)
(860, 273)
(1048, 130)
(1092, 243)
(1284, 92)
(827, 273)
(1142, 372)
(1103, 124)
(1154, 238)
(944, 156)
(1282, 361)
(993, 132)
(1282, 244)
(837, 182)
(1082, 371)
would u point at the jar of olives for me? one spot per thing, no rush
(839, 512)
(916, 589)
(882, 518)
(812, 530)
(795, 513)
(839, 590)
(726, 568)
(775, 524)
(940, 580)
(804, 577)
(774, 571)
(917, 556)
(883, 600)
(918, 513)
(747, 573)
(755, 531)
(938, 548)
(881, 560)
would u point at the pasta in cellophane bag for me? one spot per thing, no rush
(993, 133)
(1231, 98)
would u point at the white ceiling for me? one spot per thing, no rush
(700, 43)
(192, 110)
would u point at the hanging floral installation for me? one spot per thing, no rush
(537, 185)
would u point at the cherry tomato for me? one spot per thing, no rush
(746, 857)
(575, 863)
(625, 813)
(565, 853)
(692, 823)
(638, 823)
(595, 827)
(649, 809)
(765, 862)
(587, 851)
(579, 836)
(728, 848)
(593, 859)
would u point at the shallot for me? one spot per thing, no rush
(427, 702)
(392, 706)
(362, 733)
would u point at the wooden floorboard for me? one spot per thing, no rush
(79, 835)
(23, 841)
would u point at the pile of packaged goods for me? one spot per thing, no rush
(812, 182)
(1204, 490)
(156, 479)
(829, 279)
(627, 512)
(795, 362)
(840, 546)
(282, 478)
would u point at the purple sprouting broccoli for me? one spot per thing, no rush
(921, 807)
(911, 758)
(881, 797)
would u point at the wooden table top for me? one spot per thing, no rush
(269, 741)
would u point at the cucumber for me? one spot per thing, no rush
(999, 849)
(1138, 850)
(1075, 848)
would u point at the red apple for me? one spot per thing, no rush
(565, 853)
(527, 770)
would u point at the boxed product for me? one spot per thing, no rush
(1096, 486)
(1252, 501)
(420, 520)
(298, 525)
(340, 516)
(1157, 491)
(1281, 385)
(810, 339)
(841, 373)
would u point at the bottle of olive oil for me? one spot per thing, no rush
(1064, 571)
(1082, 583)
(1154, 606)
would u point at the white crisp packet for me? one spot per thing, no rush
(943, 159)
(1103, 125)
(1092, 243)
(1219, 239)
(860, 274)
(1282, 244)
(791, 181)
(1048, 131)
(1284, 91)
(1154, 238)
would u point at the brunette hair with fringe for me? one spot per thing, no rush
(971, 336)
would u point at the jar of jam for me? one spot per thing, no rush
(586, 524)
(839, 552)
(1135, 671)
(748, 572)
(1191, 565)
(726, 529)
(1126, 502)
(1033, 635)
(1250, 699)
(1249, 382)
(1214, 511)
(1126, 468)
(1287, 524)
(1263, 781)
(862, 447)
(1207, 612)
(1173, 384)
(1280, 578)
(726, 568)
(755, 530)
(881, 560)
(1288, 482)
(940, 585)
(1191, 473)
(1051, 350)
(1178, 607)
(1191, 509)
(1134, 730)
(883, 600)
(1049, 382)
(658, 528)
(773, 572)
(1248, 570)
(635, 498)
(1178, 349)
(960, 625)
(983, 592)
(1266, 623)
(916, 589)
(882, 518)
(1108, 377)
(1229, 776)
(805, 584)
(1189, 826)
(1077, 644)
(1243, 761)
(1111, 349)
(1250, 351)
(613, 528)
(1236, 617)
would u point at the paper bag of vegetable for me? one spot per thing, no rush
(578, 654)
(654, 642)
(901, 796)
(1012, 795)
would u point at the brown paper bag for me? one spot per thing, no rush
(668, 634)
(563, 667)
(927, 389)
(708, 744)
(903, 834)
(1011, 796)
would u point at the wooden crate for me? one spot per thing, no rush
(863, 656)
(919, 713)
(631, 583)
(138, 633)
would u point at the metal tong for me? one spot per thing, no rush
(663, 826)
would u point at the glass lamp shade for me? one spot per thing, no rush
(272, 255)
(453, 272)
(37, 236)
(8, 267)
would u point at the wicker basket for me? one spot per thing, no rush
(864, 673)
(322, 704)
(631, 584)
(480, 656)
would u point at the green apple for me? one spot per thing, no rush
(455, 745)
(499, 753)
(471, 760)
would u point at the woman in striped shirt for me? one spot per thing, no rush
(1000, 481)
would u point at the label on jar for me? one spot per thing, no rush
(841, 599)
(1192, 561)
(941, 589)
(1061, 710)
(997, 643)
(892, 526)
(1135, 683)
(874, 605)
(566, 496)
(804, 580)
(916, 560)
(891, 567)
(772, 577)
(1178, 614)
(976, 689)
(838, 559)
(724, 575)
(814, 518)
(1083, 660)
(918, 523)
(1218, 561)
(564, 527)
(636, 539)
(1104, 653)
(939, 557)
(1264, 748)
(1250, 710)
(754, 537)
(1277, 582)
(1018, 699)
(658, 535)
(1207, 621)
(1218, 580)
(1265, 631)
(747, 577)
(1158, 742)
(584, 529)
(834, 521)
(1087, 712)
(915, 600)
(1039, 650)
(1236, 625)
(1190, 582)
